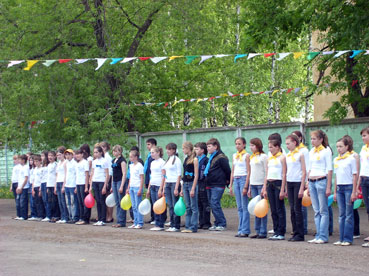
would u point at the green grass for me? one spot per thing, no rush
(5, 193)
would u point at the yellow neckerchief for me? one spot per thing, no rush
(240, 153)
(318, 149)
(275, 157)
(340, 157)
(296, 150)
(301, 146)
(366, 149)
(254, 155)
(352, 152)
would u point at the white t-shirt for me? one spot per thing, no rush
(51, 175)
(320, 163)
(99, 166)
(44, 175)
(15, 173)
(31, 176)
(135, 171)
(305, 152)
(364, 161)
(258, 165)
(239, 165)
(60, 171)
(344, 170)
(172, 171)
(89, 159)
(81, 169)
(156, 175)
(275, 168)
(23, 173)
(37, 176)
(71, 174)
(109, 160)
(294, 171)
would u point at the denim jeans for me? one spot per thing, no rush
(62, 202)
(84, 212)
(23, 203)
(319, 201)
(53, 204)
(44, 200)
(297, 220)
(100, 200)
(121, 214)
(204, 206)
(305, 218)
(136, 200)
(72, 204)
(260, 223)
(365, 192)
(242, 204)
(40, 210)
(192, 208)
(16, 198)
(345, 219)
(215, 195)
(171, 199)
(32, 203)
(277, 207)
(159, 219)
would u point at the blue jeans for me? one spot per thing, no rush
(100, 200)
(121, 214)
(365, 191)
(23, 203)
(159, 219)
(192, 207)
(62, 203)
(72, 204)
(215, 195)
(305, 218)
(277, 207)
(171, 199)
(242, 204)
(39, 204)
(44, 200)
(32, 203)
(346, 218)
(319, 201)
(136, 200)
(260, 223)
(84, 212)
(16, 198)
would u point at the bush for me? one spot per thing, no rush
(5, 193)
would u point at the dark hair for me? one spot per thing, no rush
(275, 136)
(202, 146)
(135, 153)
(23, 157)
(294, 138)
(33, 159)
(85, 148)
(214, 142)
(99, 149)
(46, 160)
(299, 134)
(275, 143)
(152, 141)
(321, 135)
(105, 145)
(347, 141)
(365, 129)
(242, 139)
(37, 157)
(78, 151)
(258, 143)
(61, 149)
(171, 146)
(135, 148)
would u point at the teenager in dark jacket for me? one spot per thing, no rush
(217, 174)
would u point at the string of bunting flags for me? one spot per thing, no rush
(188, 59)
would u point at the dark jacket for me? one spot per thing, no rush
(219, 172)
(148, 172)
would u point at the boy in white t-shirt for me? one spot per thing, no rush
(23, 185)
(13, 187)
(36, 187)
(70, 186)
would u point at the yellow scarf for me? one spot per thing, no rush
(275, 157)
(254, 155)
(296, 150)
(339, 157)
(352, 152)
(366, 149)
(318, 149)
(301, 146)
(240, 153)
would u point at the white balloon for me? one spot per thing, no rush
(110, 200)
(145, 207)
(252, 204)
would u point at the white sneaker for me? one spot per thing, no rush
(102, 223)
(19, 218)
(357, 237)
(153, 222)
(156, 228)
(172, 229)
(32, 219)
(167, 224)
(337, 243)
(138, 227)
(97, 223)
(212, 228)
(345, 243)
(131, 227)
(312, 241)
(220, 228)
(45, 220)
(319, 241)
(271, 232)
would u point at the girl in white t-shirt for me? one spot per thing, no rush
(240, 179)
(59, 185)
(156, 181)
(23, 186)
(52, 200)
(36, 188)
(70, 186)
(106, 147)
(135, 188)
(364, 172)
(43, 190)
(13, 187)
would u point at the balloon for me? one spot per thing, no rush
(306, 200)
(89, 201)
(180, 207)
(357, 203)
(145, 207)
(110, 200)
(360, 196)
(330, 200)
(126, 203)
(252, 204)
(160, 206)
(261, 208)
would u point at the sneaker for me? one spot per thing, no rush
(312, 241)
(81, 222)
(272, 238)
(97, 223)
(172, 229)
(365, 244)
(102, 223)
(271, 232)
(32, 219)
(19, 218)
(213, 228)
(137, 227)
(186, 231)
(156, 228)
(131, 227)
(357, 237)
(167, 224)
(337, 243)
(319, 241)
(220, 228)
(345, 243)
(16, 218)
(279, 238)
(261, 237)
(153, 222)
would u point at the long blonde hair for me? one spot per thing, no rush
(192, 155)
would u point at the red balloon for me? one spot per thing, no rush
(360, 196)
(89, 201)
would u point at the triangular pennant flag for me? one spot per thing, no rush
(303, 89)
(297, 90)
(174, 57)
(81, 60)
(100, 62)
(166, 104)
(198, 100)
(220, 56)
(115, 60)
(366, 52)
(297, 55)
(251, 55)
(312, 55)
(189, 59)
(15, 62)
(203, 58)
(144, 58)
(354, 82)
(355, 53)
(175, 102)
(327, 53)
(157, 59)
(47, 63)
(239, 56)
(340, 53)
(289, 90)
(282, 56)
(65, 120)
(128, 59)
(64, 60)
(269, 55)
(275, 91)
(30, 64)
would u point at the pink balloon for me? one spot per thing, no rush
(89, 201)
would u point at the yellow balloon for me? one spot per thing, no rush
(261, 208)
(160, 206)
(306, 200)
(126, 203)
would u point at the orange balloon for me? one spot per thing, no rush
(261, 208)
(160, 206)
(306, 200)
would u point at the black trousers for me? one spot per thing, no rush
(204, 206)
(296, 209)
(277, 207)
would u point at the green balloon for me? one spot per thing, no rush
(357, 203)
(180, 207)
